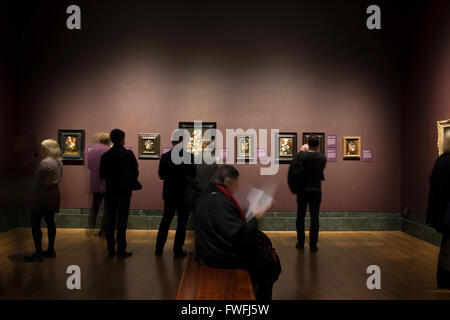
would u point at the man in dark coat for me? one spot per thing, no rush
(119, 169)
(310, 193)
(175, 185)
(224, 238)
(438, 213)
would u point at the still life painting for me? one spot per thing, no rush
(149, 145)
(245, 147)
(71, 143)
(287, 147)
(352, 148)
(198, 142)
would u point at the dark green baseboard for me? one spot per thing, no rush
(416, 227)
(273, 221)
(9, 220)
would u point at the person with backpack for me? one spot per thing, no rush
(304, 179)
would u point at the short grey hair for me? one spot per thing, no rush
(52, 148)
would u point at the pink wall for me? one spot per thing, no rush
(426, 99)
(145, 75)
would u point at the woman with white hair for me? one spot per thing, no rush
(438, 213)
(46, 198)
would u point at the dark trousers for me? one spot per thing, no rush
(36, 218)
(117, 207)
(264, 271)
(170, 206)
(313, 199)
(97, 199)
(443, 270)
(262, 286)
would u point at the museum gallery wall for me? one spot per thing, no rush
(9, 115)
(146, 80)
(427, 82)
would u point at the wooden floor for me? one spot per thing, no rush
(337, 271)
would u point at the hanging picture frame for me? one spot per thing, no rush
(286, 147)
(443, 133)
(319, 135)
(352, 148)
(149, 145)
(72, 143)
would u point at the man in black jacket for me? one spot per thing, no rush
(119, 168)
(175, 184)
(310, 193)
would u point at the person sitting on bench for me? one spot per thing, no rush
(224, 239)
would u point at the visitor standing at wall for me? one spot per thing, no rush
(309, 192)
(119, 169)
(97, 184)
(46, 198)
(175, 177)
(438, 213)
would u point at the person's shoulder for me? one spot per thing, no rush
(166, 155)
(443, 159)
(300, 155)
(103, 148)
(107, 153)
(47, 162)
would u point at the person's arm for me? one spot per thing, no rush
(162, 170)
(41, 172)
(103, 168)
(323, 167)
(192, 168)
(89, 156)
(233, 229)
(134, 166)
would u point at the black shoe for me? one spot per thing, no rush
(124, 254)
(102, 234)
(158, 252)
(180, 254)
(49, 254)
(313, 249)
(37, 256)
(112, 253)
(300, 246)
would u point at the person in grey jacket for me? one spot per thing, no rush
(46, 198)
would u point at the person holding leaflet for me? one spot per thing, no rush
(224, 238)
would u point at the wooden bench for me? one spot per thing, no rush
(205, 283)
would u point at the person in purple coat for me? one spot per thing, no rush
(97, 185)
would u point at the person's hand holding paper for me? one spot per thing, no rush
(259, 203)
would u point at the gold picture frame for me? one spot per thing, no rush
(351, 148)
(286, 147)
(443, 128)
(149, 145)
(245, 148)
